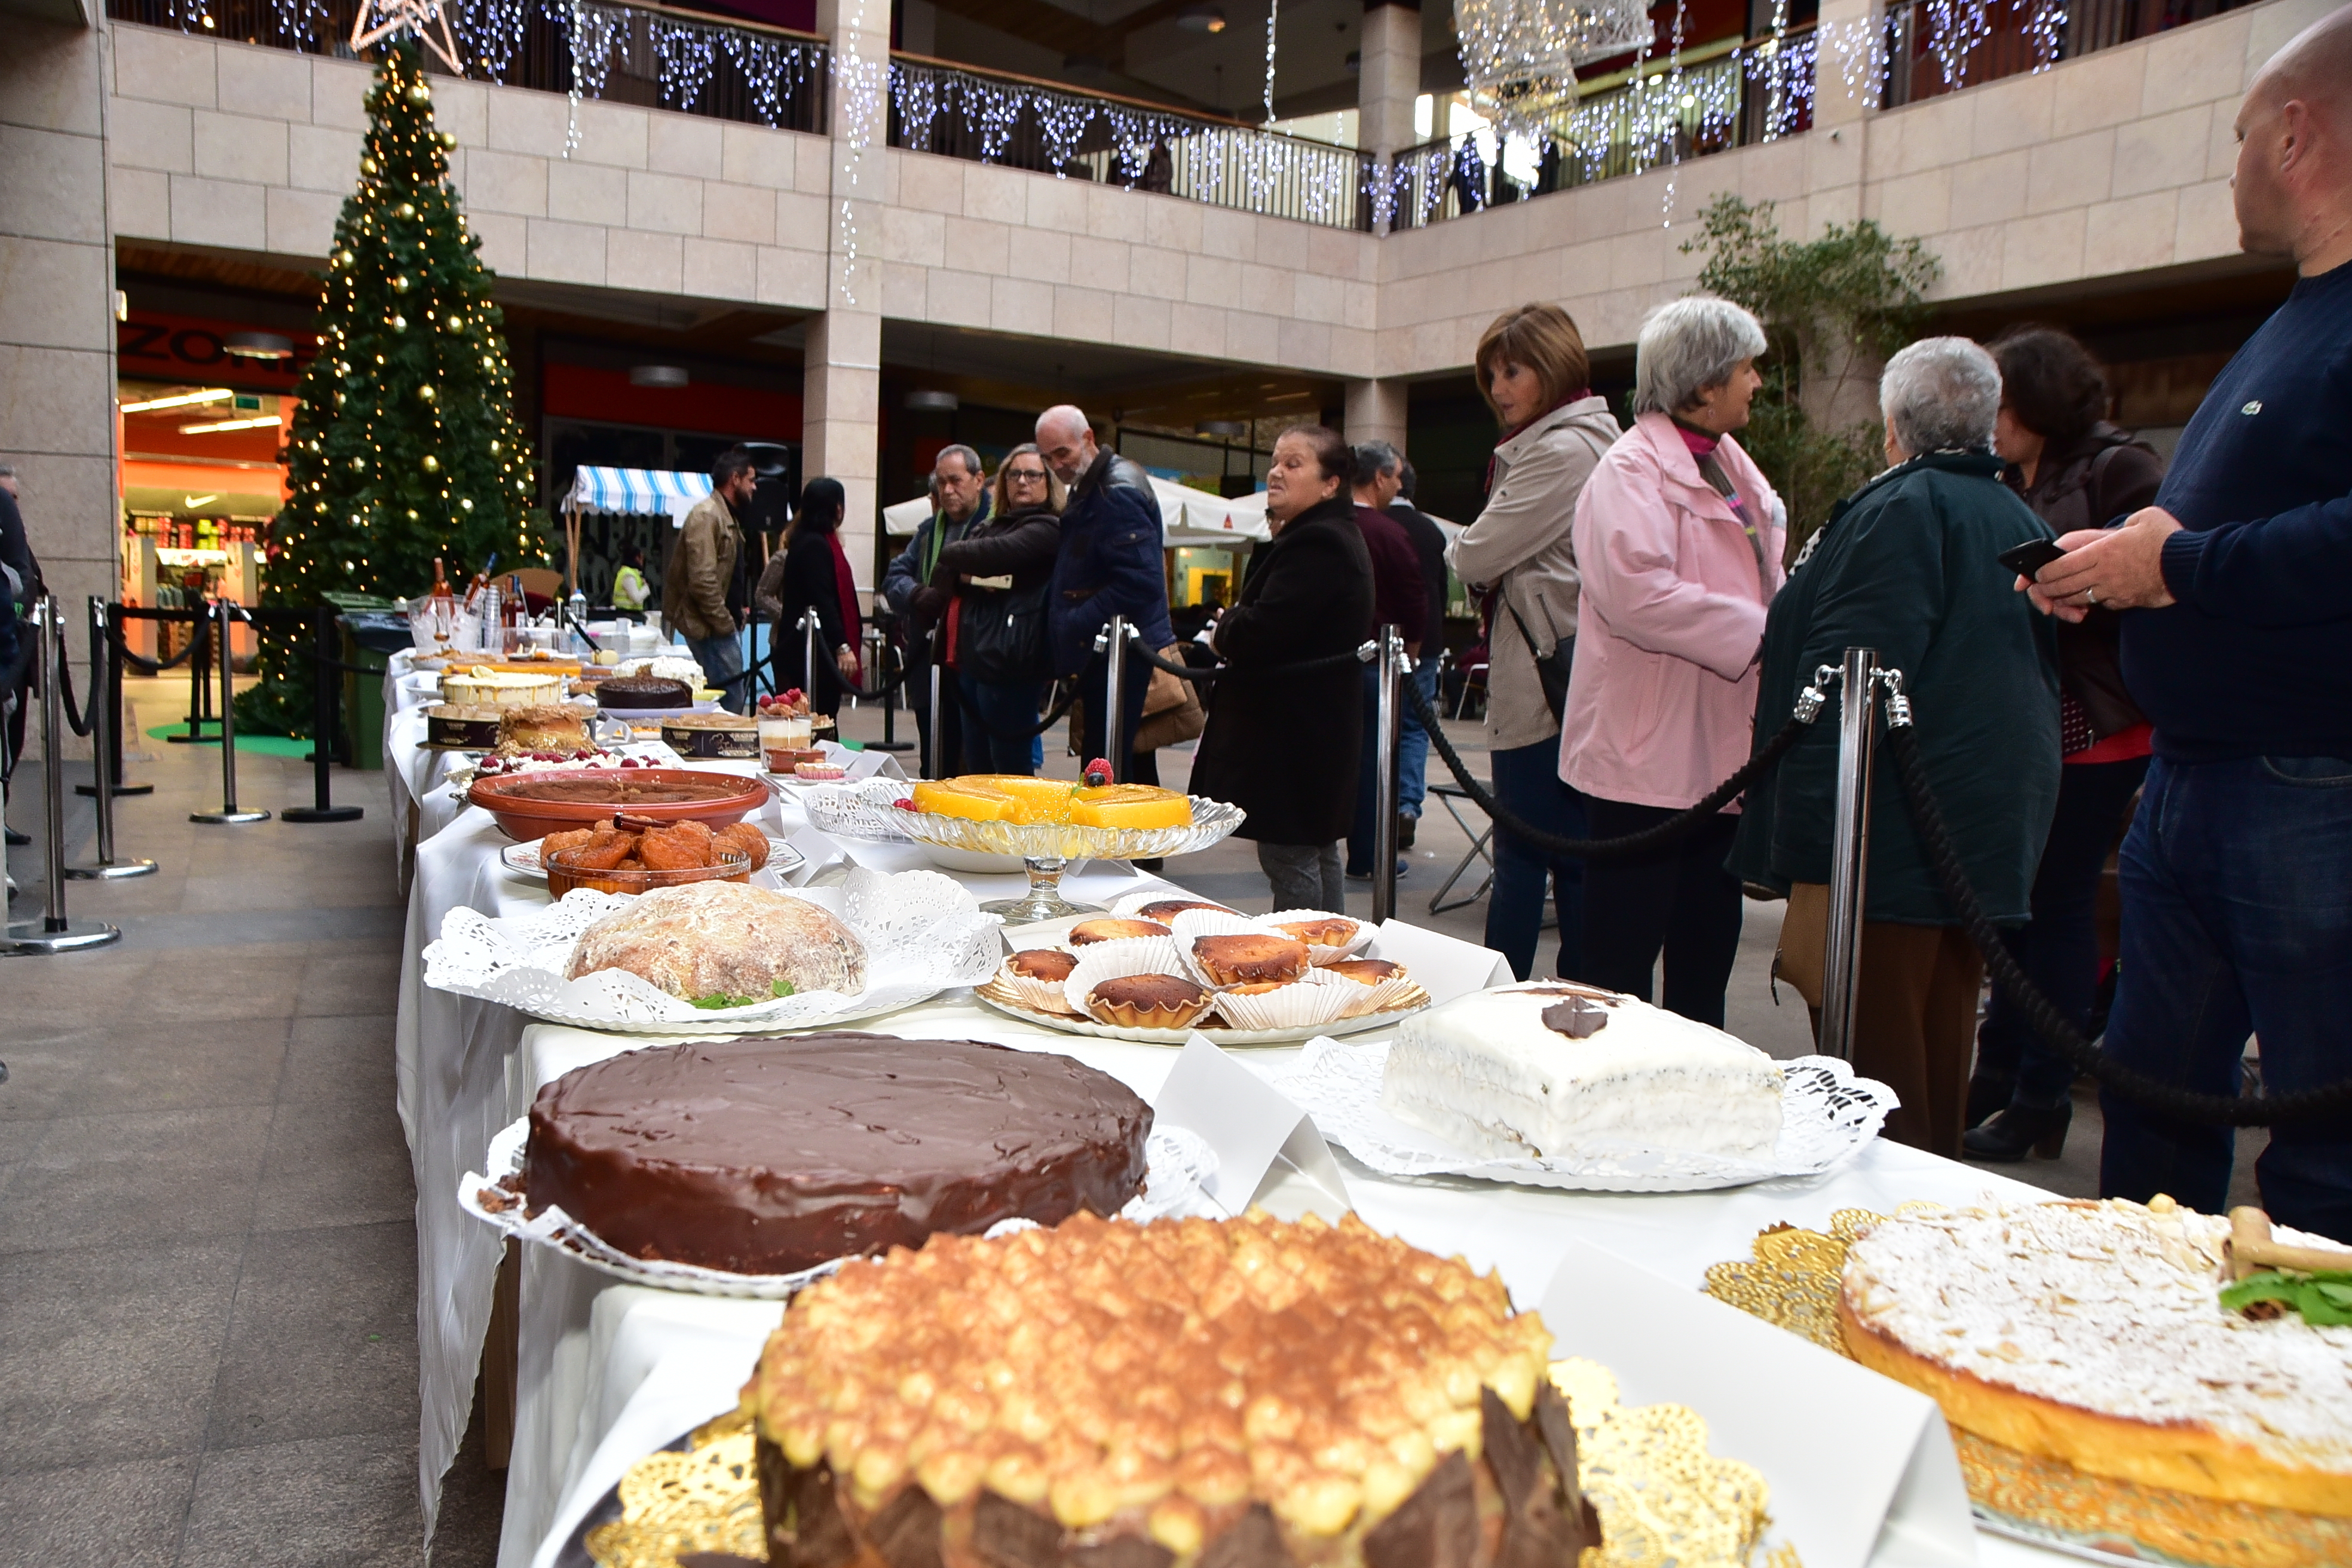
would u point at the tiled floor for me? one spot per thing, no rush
(207, 1295)
(207, 1254)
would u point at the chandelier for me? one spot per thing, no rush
(1520, 56)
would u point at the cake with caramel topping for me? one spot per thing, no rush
(1240, 1394)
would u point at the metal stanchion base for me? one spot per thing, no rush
(119, 790)
(889, 745)
(322, 814)
(113, 871)
(229, 817)
(34, 936)
(194, 740)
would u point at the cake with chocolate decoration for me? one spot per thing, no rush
(1181, 1394)
(765, 1156)
(1558, 1070)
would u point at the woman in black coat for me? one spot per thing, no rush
(996, 644)
(1283, 747)
(810, 572)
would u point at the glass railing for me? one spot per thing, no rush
(646, 55)
(997, 118)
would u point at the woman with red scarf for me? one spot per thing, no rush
(1533, 372)
(811, 573)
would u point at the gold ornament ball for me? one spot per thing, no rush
(427, 393)
(400, 285)
(432, 463)
(368, 166)
(420, 93)
(399, 325)
(408, 209)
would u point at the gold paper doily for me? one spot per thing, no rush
(1794, 1281)
(1664, 1501)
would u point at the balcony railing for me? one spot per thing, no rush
(997, 118)
(1934, 46)
(646, 55)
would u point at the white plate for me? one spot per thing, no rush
(1178, 1165)
(1827, 1116)
(1223, 1037)
(522, 859)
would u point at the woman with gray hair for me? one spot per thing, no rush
(1678, 537)
(1909, 565)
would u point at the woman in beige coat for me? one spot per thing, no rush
(1533, 372)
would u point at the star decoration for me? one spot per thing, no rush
(392, 16)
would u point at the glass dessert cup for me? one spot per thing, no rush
(1047, 848)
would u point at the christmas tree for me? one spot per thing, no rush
(404, 445)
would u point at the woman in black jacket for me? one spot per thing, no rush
(1283, 746)
(997, 575)
(810, 572)
(2076, 472)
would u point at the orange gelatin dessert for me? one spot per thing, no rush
(1014, 797)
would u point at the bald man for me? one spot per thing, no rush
(2237, 643)
(1111, 565)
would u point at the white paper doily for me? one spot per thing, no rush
(1178, 1163)
(860, 810)
(1827, 1114)
(923, 935)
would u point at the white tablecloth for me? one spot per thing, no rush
(608, 1371)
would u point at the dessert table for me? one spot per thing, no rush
(609, 1370)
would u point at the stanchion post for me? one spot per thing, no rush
(934, 757)
(105, 721)
(1114, 701)
(1391, 669)
(103, 631)
(326, 691)
(200, 687)
(54, 932)
(808, 655)
(229, 813)
(893, 663)
(1849, 852)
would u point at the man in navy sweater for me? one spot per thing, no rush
(2237, 874)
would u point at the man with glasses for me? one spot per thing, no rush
(1110, 564)
(961, 496)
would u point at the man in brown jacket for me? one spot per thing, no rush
(700, 564)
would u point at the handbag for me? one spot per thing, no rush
(1001, 636)
(1171, 708)
(1551, 668)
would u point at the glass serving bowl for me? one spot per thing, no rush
(733, 866)
(1046, 849)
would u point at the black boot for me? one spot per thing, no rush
(1986, 1094)
(2015, 1130)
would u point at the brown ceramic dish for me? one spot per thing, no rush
(532, 805)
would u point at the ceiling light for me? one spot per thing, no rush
(1230, 429)
(258, 345)
(663, 375)
(1201, 19)
(928, 402)
(179, 400)
(228, 425)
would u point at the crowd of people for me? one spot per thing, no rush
(1650, 625)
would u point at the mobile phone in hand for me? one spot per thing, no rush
(2030, 557)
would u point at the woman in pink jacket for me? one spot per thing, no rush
(1679, 537)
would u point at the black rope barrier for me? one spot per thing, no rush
(2141, 1089)
(146, 665)
(1632, 845)
(1188, 672)
(77, 722)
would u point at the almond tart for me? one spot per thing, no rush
(1166, 908)
(1035, 976)
(1149, 1001)
(1086, 932)
(1367, 970)
(1243, 959)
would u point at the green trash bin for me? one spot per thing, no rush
(371, 627)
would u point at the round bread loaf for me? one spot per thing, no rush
(723, 939)
(764, 1156)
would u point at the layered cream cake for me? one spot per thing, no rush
(482, 686)
(1558, 1070)
(2094, 1335)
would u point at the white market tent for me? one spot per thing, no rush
(1187, 516)
(648, 493)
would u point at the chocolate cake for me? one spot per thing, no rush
(764, 1156)
(640, 691)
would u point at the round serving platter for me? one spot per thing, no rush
(522, 859)
(1003, 1002)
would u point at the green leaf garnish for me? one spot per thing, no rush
(2325, 1299)
(718, 999)
(782, 988)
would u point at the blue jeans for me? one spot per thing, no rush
(1413, 742)
(1528, 785)
(2059, 947)
(721, 658)
(2237, 895)
(997, 718)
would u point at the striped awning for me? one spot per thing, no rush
(651, 491)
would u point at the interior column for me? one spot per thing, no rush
(1388, 79)
(842, 361)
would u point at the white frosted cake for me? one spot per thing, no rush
(1557, 1070)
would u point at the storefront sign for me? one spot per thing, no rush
(151, 346)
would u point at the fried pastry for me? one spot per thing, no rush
(1237, 960)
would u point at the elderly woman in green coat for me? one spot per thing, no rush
(1909, 565)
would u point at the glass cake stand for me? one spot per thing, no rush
(1046, 849)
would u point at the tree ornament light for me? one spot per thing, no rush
(1520, 56)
